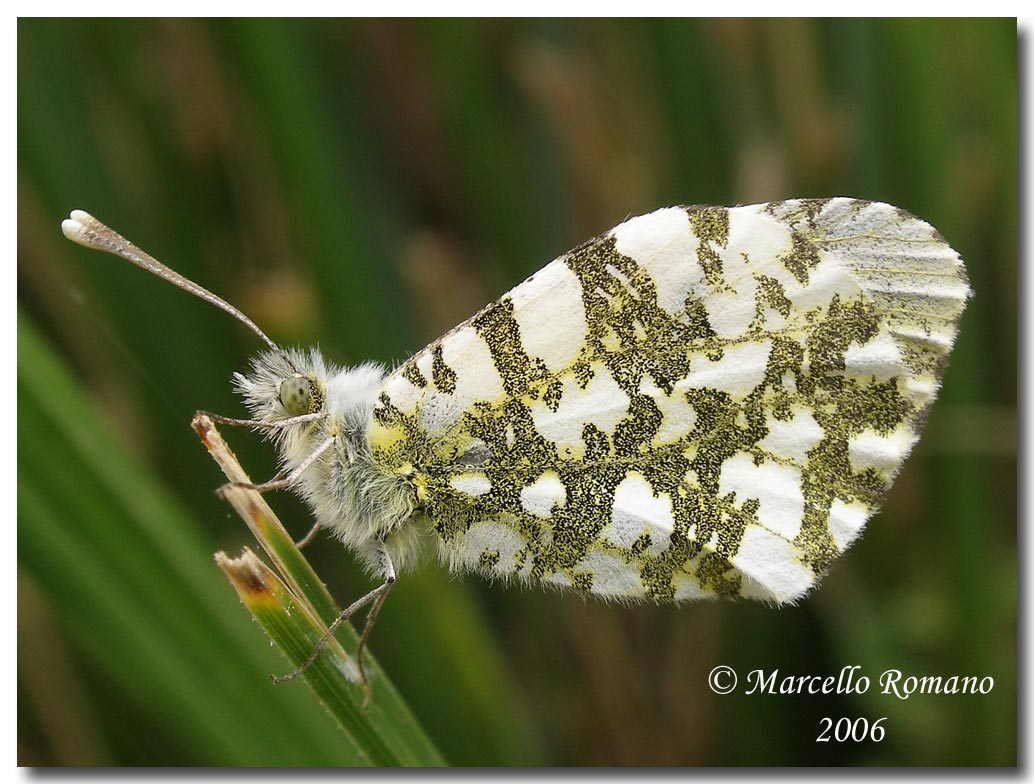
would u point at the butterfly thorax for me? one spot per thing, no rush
(357, 501)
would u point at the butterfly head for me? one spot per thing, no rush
(284, 384)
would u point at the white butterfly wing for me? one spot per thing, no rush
(701, 401)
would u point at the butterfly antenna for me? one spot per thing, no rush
(86, 230)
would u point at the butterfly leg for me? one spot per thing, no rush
(279, 482)
(377, 596)
(371, 616)
(297, 420)
(306, 540)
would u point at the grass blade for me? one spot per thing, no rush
(296, 618)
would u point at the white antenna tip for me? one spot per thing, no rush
(76, 227)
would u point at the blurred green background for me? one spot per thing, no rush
(366, 185)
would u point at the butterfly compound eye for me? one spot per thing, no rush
(296, 395)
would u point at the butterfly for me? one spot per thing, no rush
(700, 402)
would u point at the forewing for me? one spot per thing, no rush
(701, 401)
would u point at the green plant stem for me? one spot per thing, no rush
(296, 610)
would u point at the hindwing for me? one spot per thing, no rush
(700, 401)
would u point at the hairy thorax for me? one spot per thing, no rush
(362, 504)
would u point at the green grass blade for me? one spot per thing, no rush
(297, 618)
(266, 527)
(296, 631)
